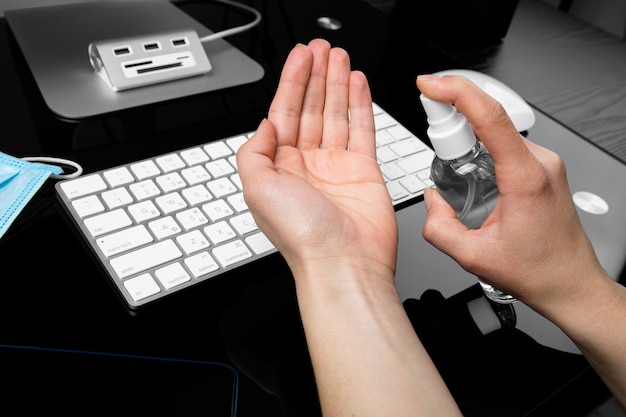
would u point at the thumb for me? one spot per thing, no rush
(257, 152)
(442, 228)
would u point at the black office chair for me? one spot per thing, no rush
(446, 24)
(505, 372)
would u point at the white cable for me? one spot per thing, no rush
(238, 29)
(51, 160)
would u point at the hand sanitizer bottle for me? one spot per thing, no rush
(463, 171)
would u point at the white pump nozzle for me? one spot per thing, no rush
(448, 130)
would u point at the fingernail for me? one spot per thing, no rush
(429, 77)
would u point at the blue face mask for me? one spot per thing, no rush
(19, 181)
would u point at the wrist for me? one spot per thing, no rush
(592, 297)
(341, 273)
(343, 283)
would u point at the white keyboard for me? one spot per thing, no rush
(165, 223)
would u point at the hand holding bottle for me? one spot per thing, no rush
(532, 244)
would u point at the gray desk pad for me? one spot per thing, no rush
(6, 5)
(54, 41)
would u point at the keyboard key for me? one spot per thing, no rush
(118, 176)
(196, 195)
(195, 175)
(170, 203)
(164, 227)
(221, 187)
(83, 186)
(236, 179)
(259, 243)
(384, 138)
(217, 209)
(169, 163)
(244, 223)
(392, 171)
(193, 242)
(236, 142)
(107, 222)
(219, 168)
(189, 219)
(237, 202)
(172, 275)
(416, 162)
(232, 253)
(171, 182)
(141, 287)
(407, 147)
(88, 205)
(144, 189)
(145, 258)
(124, 240)
(412, 183)
(400, 132)
(117, 197)
(233, 161)
(396, 191)
(143, 211)
(145, 169)
(383, 120)
(201, 264)
(385, 155)
(194, 156)
(217, 150)
(219, 232)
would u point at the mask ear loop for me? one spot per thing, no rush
(78, 170)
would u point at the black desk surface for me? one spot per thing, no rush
(573, 71)
(54, 296)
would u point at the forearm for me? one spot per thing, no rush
(596, 323)
(366, 356)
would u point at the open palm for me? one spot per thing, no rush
(310, 173)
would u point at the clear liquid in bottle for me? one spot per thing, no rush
(468, 184)
(463, 172)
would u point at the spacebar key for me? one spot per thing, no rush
(145, 258)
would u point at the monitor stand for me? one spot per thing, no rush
(54, 41)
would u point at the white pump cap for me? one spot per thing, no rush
(448, 130)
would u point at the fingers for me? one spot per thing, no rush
(312, 120)
(442, 229)
(335, 134)
(362, 129)
(310, 108)
(286, 108)
(257, 153)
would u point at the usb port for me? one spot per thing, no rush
(122, 50)
(151, 46)
(179, 42)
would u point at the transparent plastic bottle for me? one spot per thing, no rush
(463, 172)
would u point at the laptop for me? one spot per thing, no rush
(590, 170)
(54, 41)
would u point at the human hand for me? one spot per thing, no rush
(310, 177)
(532, 245)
